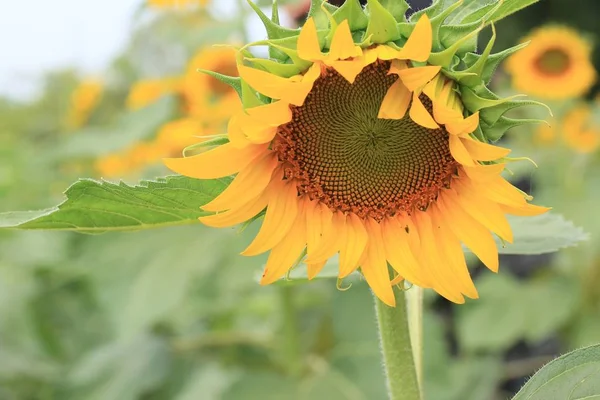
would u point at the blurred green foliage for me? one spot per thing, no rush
(177, 314)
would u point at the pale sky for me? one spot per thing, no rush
(37, 35)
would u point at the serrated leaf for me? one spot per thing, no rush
(100, 206)
(507, 8)
(541, 234)
(575, 375)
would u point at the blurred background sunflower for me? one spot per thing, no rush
(175, 313)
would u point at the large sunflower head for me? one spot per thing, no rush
(555, 65)
(367, 135)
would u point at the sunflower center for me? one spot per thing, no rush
(341, 154)
(553, 62)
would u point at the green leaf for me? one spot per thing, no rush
(382, 24)
(507, 8)
(575, 375)
(100, 206)
(486, 324)
(131, 127)
(541, 234)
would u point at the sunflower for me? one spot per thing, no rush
(206, 97)
(84, 99)
(366, 143)
(147, 91)
(555, 65)
(579, 132)
(164, 4)
(171, 139)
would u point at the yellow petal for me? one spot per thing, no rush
(319, 219)
(453, 253)
(247, 184)
(349, 69)
(399, 254)
(387, 53)
(290, 90)
(526, 210)
(396, 101)
(330, 242)
(236, 136)
(256, 131)
(221, 161)
(342, 44)
(459, 151)
(483, 210)
(397, 66)
(237, 215)
(308, 42)
(418, 46)
(468, 230)
(463, 126)
(281, 214)
(274, 114)
(373, 264)
(419, 114)
(353, 244)
(484, 151)
(313, 269)
(498, 190)
(417, 77)
(286, 253)
(485, 172)
(443, 280)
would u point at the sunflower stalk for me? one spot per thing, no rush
(395, 343)
(291, 339)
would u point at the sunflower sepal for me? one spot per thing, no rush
(445, 57)
(397, 8)
(495, 132)
(274, 30)
(352, 11)
(250, 97)
(319, 16)
(234, 81)
(492, 61)
(217, 140)
(274, 67)
(492, 114)
(382, 25)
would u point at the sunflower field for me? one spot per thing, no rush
(310, 199)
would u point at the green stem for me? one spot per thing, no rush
(396, 349)
(414, 306)
(291, 339)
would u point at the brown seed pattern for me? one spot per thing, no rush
(341, 154)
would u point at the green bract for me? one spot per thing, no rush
(455, 26)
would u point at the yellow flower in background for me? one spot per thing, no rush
(170, 141)
(366, 152)
(148, 91)
(177, 135)
(576, 129)
(555, 65)
(546, 134)
(205, 96)
(83, 100)
(579, 131)
(176, 3)
(112, 165)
